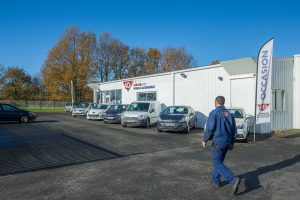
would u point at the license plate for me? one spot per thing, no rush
(130, 121)
(169, 124)
(110, 117)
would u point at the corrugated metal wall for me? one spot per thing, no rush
(282, 79)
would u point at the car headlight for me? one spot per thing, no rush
(142, 117)
(32, 114)
(242, 126)
(184, 119)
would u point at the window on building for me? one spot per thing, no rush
(119, 96)
(146, 96)
(278, 99)
(112, 96)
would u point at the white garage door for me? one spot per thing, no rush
(243, 94)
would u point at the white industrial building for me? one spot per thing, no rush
(198, 87)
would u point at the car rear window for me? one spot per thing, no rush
(176, 110)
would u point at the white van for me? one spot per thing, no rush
(141, 113)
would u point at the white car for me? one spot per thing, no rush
(241, 120)
(82, 109)
(141, 113)
(97, 112)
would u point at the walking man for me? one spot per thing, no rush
(221, 129)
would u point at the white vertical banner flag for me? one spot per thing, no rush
(263, 83)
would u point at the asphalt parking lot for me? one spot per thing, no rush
(61, 157)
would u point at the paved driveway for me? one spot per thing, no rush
(60, 157)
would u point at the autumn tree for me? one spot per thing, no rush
(16, 84)
(138, 59)
(2, 71)
(119, 59)
(152, 64)
(214, 62)
(37, 91)
(176, 59)
(71, 59)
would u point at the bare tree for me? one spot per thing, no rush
(176, 59)
(138, 58)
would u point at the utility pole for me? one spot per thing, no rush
(72, 93)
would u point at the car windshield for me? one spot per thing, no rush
(236, 113)
(117, 107)
(100, 106)
(140, 107)
(83, 105)
(176, 110)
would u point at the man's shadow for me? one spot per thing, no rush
(252, 178)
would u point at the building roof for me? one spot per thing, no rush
(240, 66)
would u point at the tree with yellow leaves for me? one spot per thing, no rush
(71, 59)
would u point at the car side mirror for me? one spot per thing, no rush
(248, 116)
(151, 110)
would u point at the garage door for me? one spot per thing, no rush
(243, 94)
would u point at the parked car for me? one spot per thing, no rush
(241, 120)
(177, 118)
(141, 113)
(12, 113)
(82, 109)
(97, 111)
(69, 107)
(113, 114)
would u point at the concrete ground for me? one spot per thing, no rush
(61, 157)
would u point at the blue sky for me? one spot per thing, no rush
(209, 30)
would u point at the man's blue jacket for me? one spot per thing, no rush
(220, 127)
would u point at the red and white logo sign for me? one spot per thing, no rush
(127, 85)
(263, 107)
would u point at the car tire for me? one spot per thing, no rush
(159, 130)
(186, 130)
(25, 119)
(105, 122)
(147, 123)
(123, 125)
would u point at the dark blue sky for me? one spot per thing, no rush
(208, 29)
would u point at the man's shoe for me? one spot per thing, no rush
(216, 185)
(235, 186)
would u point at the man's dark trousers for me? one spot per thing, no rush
(218, 154)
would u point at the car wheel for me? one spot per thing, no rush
(24, 119)
(147, 123)
(159, 130)
(105, 122)
(123, 125)
(245, 140)
(187, 130)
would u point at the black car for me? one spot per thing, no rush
(113, 114)
(12, 113)
(177, 118)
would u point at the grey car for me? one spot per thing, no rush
(177, 118)
(69, 107)
(82, 109)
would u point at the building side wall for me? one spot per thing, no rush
(199, 90)
(296, 92)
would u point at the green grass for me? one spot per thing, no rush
(293, 131)
(45, 109)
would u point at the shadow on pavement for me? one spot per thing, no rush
(28, 153)
(252, 181)
(32, 122)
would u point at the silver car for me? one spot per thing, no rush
(82, 109)
(241, 120)
(69, 107)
